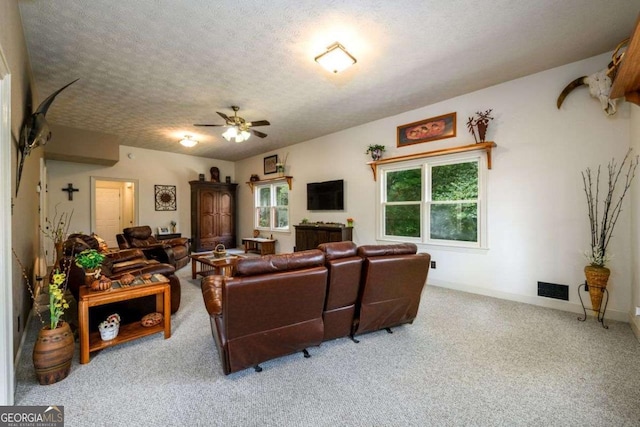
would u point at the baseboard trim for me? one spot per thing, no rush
(620, 316)
(634, 322)
(22, 340)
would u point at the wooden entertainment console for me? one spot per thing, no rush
(309, 236)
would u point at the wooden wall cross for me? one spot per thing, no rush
(70, 190)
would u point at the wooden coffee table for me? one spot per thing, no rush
(90, 342)
(206, 263)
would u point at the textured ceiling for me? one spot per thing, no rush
(149, 69)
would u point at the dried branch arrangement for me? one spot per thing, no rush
(602, 223)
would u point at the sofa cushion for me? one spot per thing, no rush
(281, 262)
(385, 250)
(142, 232)
(335, 250)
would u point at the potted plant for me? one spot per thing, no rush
(90, 260)
(54, 347)
(602, 221)
(375, 150)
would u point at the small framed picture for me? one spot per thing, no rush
(427, 130)
(163, 230)
(270, 164)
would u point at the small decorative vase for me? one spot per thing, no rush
(91, 275)
(280, 169)
(376, 154)
(52, 353)
(349, 223)
(597, 278)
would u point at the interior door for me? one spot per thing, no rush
(108, 209)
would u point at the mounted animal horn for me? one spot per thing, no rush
(599, 83)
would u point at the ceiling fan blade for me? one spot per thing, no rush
(224, 116)
(260, 123)
(196, 124)
(258, 133)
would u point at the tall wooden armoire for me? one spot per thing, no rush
(213, 215)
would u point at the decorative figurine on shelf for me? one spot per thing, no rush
(215, 174)
(480, 123)
(254, 178)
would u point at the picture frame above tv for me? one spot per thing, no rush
(325, 196)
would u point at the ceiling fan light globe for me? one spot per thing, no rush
(245, 135)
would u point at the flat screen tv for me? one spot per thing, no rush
(325, 196)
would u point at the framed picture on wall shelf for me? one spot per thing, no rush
(163, 230)
(427, 130)
(270, 164)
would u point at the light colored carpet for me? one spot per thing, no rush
(466, 360)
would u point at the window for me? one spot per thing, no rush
(272, 207)
(434, 201)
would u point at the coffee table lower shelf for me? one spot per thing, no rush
(128, 332)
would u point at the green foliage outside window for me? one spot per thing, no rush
(452, 219)
(453, 210)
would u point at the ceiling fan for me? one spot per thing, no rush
(238, 127)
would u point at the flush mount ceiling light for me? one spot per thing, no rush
(188, 142)
(336, 58)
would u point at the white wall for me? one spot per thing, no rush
(150, 167)
(537, 217)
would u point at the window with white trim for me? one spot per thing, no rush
(272, 206)
(434, 201)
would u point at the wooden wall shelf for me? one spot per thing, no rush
(487, 146)
(252, 184)
(627, 82)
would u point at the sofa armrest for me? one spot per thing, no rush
(178, 241)
(212, 294)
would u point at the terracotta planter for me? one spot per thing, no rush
(52, 353)
(597, 278)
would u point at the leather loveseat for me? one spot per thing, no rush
(174, 251)
(272, 307)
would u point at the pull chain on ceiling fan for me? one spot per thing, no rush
(238, 127)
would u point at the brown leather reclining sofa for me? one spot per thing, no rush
(174, 252)
(280, 304)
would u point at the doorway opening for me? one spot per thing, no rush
(114, 207)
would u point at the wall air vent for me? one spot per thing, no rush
(552, 290)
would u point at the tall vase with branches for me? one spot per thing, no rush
(602, 221)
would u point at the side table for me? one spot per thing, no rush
(90, 342)
(260, 245)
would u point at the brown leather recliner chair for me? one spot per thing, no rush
(115, 265)
(345, 268)
(392, 280)
(172, 251)
(271, 308)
